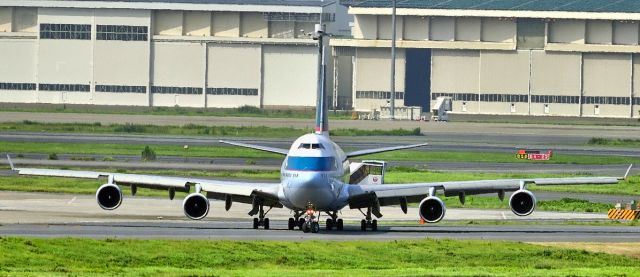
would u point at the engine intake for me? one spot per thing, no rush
(196, 206)
(432, 209)
(522, 202)
(109, 196)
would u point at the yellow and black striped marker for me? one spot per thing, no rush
(623, 214)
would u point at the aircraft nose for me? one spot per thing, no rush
(310, 188)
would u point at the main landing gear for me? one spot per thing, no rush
(334, 222)
(367, 222)
(261, 220)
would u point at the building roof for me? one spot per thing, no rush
(290, 6)
(316, 3)
(599, 6)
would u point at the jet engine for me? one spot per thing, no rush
(196, 206)
(109, 196)
(522, 202)
(432, 209)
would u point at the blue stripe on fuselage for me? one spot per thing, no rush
(311, 163)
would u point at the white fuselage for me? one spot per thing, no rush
(313, 175)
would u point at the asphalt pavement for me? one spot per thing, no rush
(70, 215)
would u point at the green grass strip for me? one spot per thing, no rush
(614, 142)
(22, 256)
(191, 130)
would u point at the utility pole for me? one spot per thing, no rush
(392, 103)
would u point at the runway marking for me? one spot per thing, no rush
(71, 201)
(504, 216)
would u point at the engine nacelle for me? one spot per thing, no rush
(196, 206)
(109, 196)
(432, 209)
(522, 202)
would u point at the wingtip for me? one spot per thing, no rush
(10, 162)
(626, 174)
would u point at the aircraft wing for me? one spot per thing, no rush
(257, 147)
(380, 150)
(391, 194)
(213, 187)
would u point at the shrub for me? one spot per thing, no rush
(249, 109)
(148, 154)
(598, 141)
(129, 128)
(53, 156)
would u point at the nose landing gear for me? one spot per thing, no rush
(310, 223)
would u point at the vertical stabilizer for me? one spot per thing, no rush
(322, 108)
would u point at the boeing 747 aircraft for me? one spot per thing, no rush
(316, 178)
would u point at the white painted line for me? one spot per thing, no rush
(504, 216)
(71, 201)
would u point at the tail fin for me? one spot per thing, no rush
(322, 106)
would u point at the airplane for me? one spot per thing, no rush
(315, 178)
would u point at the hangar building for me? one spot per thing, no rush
(533, 57)
(189, 53)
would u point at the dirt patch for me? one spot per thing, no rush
(631, 249)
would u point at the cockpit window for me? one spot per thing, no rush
(311, 163)
(311, 146)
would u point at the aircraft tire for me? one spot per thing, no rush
(339, 224)
(266, 224)
(315, 227)
(363, 225)
(256, 223)
(292, 223)
(374, 225)
(329, 224)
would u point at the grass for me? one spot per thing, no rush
(69, 256)
(614, 142)
(244, 111)
(191, 130)
(228, 152)
(131, 149)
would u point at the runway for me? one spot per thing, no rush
(243, 231)
(64, 215)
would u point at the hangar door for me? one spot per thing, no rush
(418, 78)
(290, 76)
